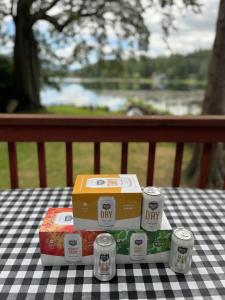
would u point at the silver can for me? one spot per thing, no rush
(106, 211)
(104, 257)
(152, 208)
(180, 255)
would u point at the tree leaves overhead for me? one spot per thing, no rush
(107, 27)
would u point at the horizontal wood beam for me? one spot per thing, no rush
(115, 121)
(44, 128)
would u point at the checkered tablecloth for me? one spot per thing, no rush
(23, 277)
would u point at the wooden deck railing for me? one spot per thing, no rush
(52, 128)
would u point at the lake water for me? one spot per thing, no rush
(80, 95)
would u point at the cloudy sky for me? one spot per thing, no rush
(193, 31)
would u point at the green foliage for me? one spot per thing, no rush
(6, 82)
(145, 107)
(193, 65)
(5, 72)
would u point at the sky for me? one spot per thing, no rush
(193, 31)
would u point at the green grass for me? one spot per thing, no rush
(72, 110)
(83, 158)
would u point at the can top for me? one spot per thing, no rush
(151, 190)
(104, 239)
(183, 233)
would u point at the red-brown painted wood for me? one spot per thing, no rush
(204, 165)
(42, 165)
(13, 165)
(47, 128)
(151, 164)
(69, 164)
(44, 128)
(178, 164)
(96, 158)
(124, 158)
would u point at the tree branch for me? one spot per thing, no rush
(4, 10)
(51, 5)
(42, 15)
(52, 20)
(4, 13)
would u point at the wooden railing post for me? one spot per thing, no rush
(124, 158)
(204, 165)
(97, 158)
(178, 164)
(13, 165)
(69, 164)
(42, 165)
(151, 164)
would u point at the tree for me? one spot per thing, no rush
(68, 18)
(214, 104)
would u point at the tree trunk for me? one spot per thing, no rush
(214, 104)
(26, 61)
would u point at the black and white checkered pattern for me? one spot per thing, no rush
(23, 277)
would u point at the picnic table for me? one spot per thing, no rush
(23, 277)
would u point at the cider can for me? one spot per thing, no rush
(106, 211)
(104, 257)
(72, 247)
(138, 246)
(152, 209)
(180, 255)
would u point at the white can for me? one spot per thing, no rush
(72, 247)
(104, 257)
(180, 256)
(152, 209)
(138, 246)
(106, 211)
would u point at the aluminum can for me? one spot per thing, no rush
(106, 211)
(138, 246)
(152, 208)
(73, 247)
(180, 255)
(104, 257)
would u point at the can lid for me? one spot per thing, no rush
(151, 190)
(183, 233)
(104, 239)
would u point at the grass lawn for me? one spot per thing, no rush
(83, 159)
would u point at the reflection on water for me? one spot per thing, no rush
(77, 95)
(174, 101)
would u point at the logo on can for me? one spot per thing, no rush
(153, 205)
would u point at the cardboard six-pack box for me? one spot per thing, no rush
(60, 242)
(107, 201)
(131, 243)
